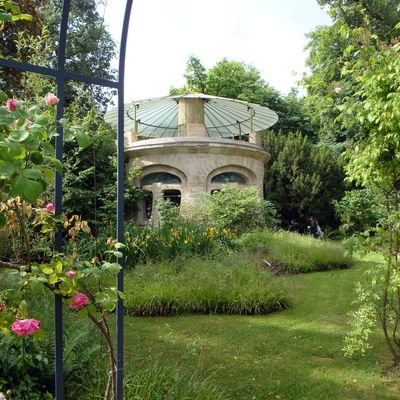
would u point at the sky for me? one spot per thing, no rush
(268, 34)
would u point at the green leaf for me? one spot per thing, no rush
(91, 308)
(46, 269)
(32, 111)
(58, 267)
(68, 134)
(100, 297)
(5, 17)
(6, 169)
(83, 140)
(42, 120)
(108, 304)
(18, 185)
(33, 174)
(119, 245)
(53, 278)
(64, 288)
(16, 150)
(113, 268)
(57, 164)
(15, 8)
(82, 313)
(48, 173)
(36, 157)
(32, 190)
(49, 148)
(19, 135)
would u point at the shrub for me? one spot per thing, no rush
(27, 365)
(231, 285)
(359, 211)
(295, 253)
(238, 208)
(24, 368)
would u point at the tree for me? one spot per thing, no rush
(379, 16)
(302, 178)
(9, 34)
(375, 163)
(237, 80)
(330, 48)
(90, 47)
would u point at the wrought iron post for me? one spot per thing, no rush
(120, 198)
(61, 75)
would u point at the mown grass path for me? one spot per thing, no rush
(295, 354)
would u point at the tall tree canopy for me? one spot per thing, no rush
(90, 47)
(330, 49)
(237, 80)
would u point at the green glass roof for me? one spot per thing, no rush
(226, 118)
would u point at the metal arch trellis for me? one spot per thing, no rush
(61, 75)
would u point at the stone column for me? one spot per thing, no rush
(191, 117)
(255, 138)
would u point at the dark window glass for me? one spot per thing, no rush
(228, 177)
(148, 205)
(174, 196)
(160, 177)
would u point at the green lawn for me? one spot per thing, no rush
(294, 354)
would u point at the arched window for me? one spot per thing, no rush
(229, 177)
(160, 177)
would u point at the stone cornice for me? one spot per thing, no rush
(190, 145)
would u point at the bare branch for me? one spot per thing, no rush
(9, 265)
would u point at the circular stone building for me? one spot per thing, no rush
(192, 144)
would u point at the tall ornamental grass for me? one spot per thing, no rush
(230, 285)
(184, 240)
(146, 244)
(294, 253)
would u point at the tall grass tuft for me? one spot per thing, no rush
(163, 382)
(230, 285)
(295, 253)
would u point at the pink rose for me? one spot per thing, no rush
(2, 397)
(80, 300)
(24, 327)
(71, 274)
(110, 240)
(51, 99)
(11, 104)
(50, 208)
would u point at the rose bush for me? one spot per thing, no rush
(27, 164)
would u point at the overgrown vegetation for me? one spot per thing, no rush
(302, 179)
(230, 284)
(287, 252)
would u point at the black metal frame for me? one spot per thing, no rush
(61, 75)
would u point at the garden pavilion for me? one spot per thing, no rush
(191, 144)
